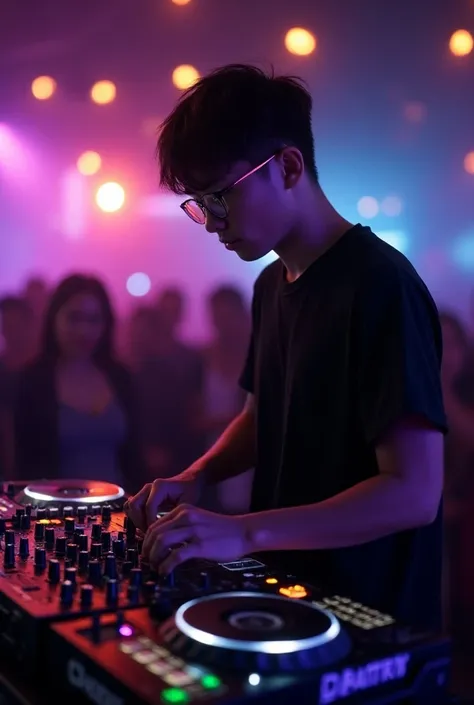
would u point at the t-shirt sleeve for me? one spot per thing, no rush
(247, 377)
(398, 352)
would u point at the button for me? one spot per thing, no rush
(174, 695)
(159, 668)
(293, 591)
(144, 657)
(129, 647)
(178, 678)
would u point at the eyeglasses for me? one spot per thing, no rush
(214, 203)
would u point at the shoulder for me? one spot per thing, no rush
(268, 277)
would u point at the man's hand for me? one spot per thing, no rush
(143, 507)
(188, 532)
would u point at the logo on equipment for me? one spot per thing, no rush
(336, 686)
(90, 686)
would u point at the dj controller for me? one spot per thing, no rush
(82, 616)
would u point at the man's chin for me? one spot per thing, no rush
(249, 252)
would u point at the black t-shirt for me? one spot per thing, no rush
(335, 358)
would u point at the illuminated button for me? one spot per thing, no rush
(129, 647)
(175, 662)
(159, 668)
(210, 681)
(177, 678)
(144, 657)
(294, 591)
(271, 581)
(174, 695)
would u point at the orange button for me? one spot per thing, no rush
(271, 581)
(294, 591)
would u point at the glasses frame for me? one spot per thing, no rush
(219, 196)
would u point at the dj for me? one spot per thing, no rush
(344, 420)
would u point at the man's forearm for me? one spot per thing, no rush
(373, 509)
(232, 454)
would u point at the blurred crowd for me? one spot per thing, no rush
(86, 396)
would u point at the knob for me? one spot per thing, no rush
(53, 513)
(136, 577)
(28, 508)
(169, 580)
(110, 566)
(40, 558)
(25, 522)
(106, 541)
(87, 592)
(67, 564)
(132, 556)
(150, 588)
(95, 510)
(83, 542)
(54, 571)
(67, 593)
(24, 547)
(96, 532)
(19, 513)
(160, 609)
(95, 572)
(112, 592)
(81, 515)
(60, 545)
(204, 581)
(49, 537)
(39, 532)
(10, 489)
(126, 568)
(96, 550)
(130, 529)
(83, 560)
(3, 525)
(69, 525)
(40, 514)
(70, 574)
(133, 595)
(9, 536)
(72, 551)
(106, 513)
(68, 511)
(118, 548)
(9, 555)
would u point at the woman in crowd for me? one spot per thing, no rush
(74, 415)
(459, 485)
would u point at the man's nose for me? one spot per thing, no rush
(213, 224)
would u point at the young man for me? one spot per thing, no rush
(344, 420)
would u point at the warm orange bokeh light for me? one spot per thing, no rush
(300, 42)
(181, 2)
(110, 197)
(469, 163)
(43, 87)
(461, 43)
(185, 76)
(103, 92)
(89, 163)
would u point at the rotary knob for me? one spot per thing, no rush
(49, 537)
(83, 542)
(118, 548)
(39, 532)
(132, 556)
(69, 525)
(81, 515)
(3, 525)
(106, 541)
(112, 592)
(136, 577)
(24, 549)
(96, 532)
(72, 551)
(71, 575)
(106, 513)
(67, 593)
(83, 561)
(68, 511)
(96, 550)
(60, 546)
(95, 572)
(53, 513)
(9, 555)
(87, 593)
(40, 558)
(110, 570)
(25, 522)
(95, 509)
(54, 571)
(9, 536)
(40, 514)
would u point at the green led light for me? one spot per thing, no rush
(174, 695)
(210, 681)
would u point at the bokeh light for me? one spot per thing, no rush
(396, 238)
(469, 163)
(89, 163)
(461, 43)
(300, 42)
(415, 112)
(181, 2)
(43, 87)
(368, 207)
(103, 92)
(463, 251)
(110, 197)
(391, 206)
(185, 76)
(138, 284)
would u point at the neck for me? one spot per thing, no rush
(319, 226)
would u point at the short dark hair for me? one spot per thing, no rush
(15, 304)
(67, 289)
(237, 112)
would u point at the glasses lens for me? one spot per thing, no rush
(216, 206)
(195, 212)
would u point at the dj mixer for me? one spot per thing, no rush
(83, 616)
